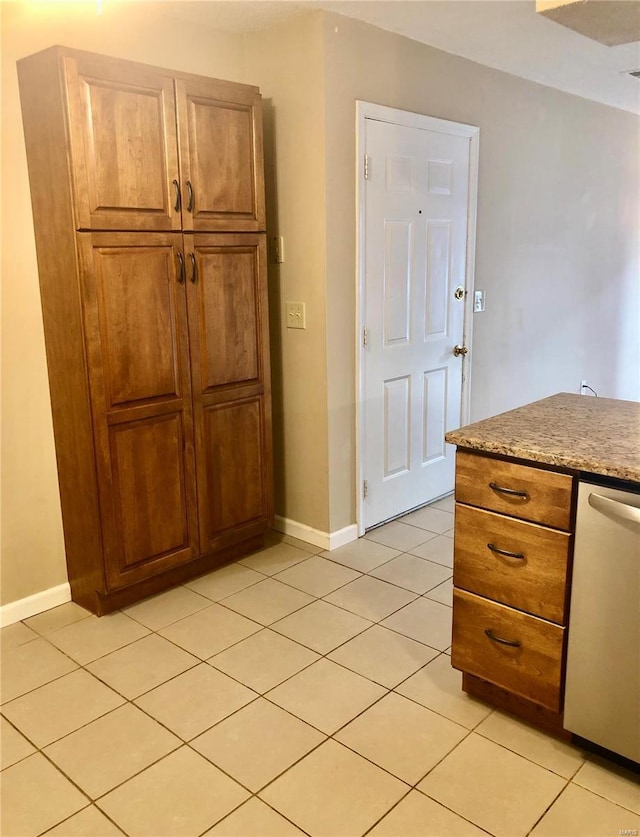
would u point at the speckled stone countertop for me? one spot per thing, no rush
(580, 432)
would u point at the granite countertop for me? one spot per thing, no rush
(579, 432)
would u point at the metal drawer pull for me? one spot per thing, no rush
(512, 643)
(519, 555)
(510, 491)
(178, 202)
(181, 275)
(194, 268)
(190, 199)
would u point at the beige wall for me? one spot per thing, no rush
(557, 233)
(557, 244)
(32, 552)
(287, 63)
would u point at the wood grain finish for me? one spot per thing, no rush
(549, 495)
(228, 300)
(234, 457)
(124, 147)
(151, 498)
(139, 375)
(532, 713)
(127, 330)
(220, 146)
(533, 670)
(231, 384)
(138, 321)
(535, 583)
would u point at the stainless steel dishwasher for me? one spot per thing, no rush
(602, 697)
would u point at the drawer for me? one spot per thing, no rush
(531, 669)
(543, 496)
(535, 582)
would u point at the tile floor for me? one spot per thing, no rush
(295, 692)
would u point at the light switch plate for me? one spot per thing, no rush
(295, 315)
(478, 301)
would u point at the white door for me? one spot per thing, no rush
(416, 214)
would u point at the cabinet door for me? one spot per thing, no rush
(221, 157)
(124, 150)
(138, 356)
(228, 332)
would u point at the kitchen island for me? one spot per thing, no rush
(517, 477)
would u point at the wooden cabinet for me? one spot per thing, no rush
(154, 150)
(148, 200)
(136, 339)
(222, 176)
(227, 298)
(512, 555)
(512, 649)
(510, 488)
(511, 561)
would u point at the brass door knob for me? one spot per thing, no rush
(460, 350)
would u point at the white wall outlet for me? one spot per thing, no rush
(478, 301)
(276, 249)
(585, 389)
(295, 315)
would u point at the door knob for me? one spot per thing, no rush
(460, 350)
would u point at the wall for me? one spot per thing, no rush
(287, 63)
(32, 544)
(557, 247)
(557, 234)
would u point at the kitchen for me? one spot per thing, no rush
(551, 306)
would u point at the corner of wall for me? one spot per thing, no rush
(287, 62)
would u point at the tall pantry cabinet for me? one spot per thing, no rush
(147, 189)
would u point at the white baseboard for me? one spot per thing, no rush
(325, 540)
(32, 605)
(54, 596)
(343, 536)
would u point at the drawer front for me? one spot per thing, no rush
(535, 581)
(532, 669)
(543, 496)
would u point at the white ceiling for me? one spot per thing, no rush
(505, 34)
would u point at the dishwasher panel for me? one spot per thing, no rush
(602, 697)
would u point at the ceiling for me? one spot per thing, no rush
(505, 34)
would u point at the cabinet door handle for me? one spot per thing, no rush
(512, 492)
(512, 643)
(519, 555)
(190, 196)
(178, 200)
(194, 268)
(181, 273)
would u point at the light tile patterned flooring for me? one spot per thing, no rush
(295, 692)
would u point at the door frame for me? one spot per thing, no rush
(382, 113)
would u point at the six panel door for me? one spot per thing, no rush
(220, 133)
(124, 147)
(227, 297)
(137, 344)
(416, 204)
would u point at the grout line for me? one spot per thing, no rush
(550, 805)
(86, 808)
(386, 813)
(340, 644)
(264, 696)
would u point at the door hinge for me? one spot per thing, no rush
(365, 489)
(365, 336)
(366, 166)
